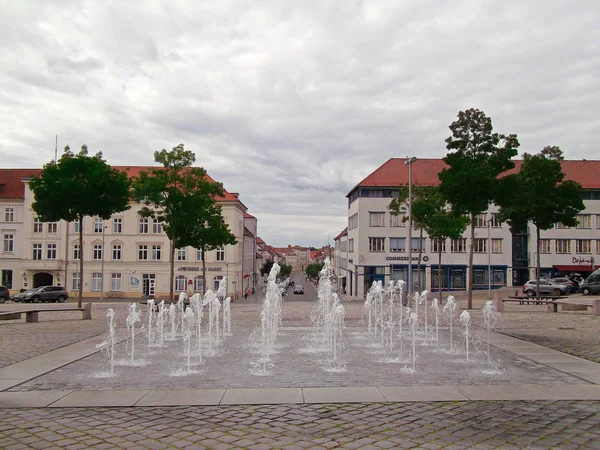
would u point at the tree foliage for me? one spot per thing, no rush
(183, 199)
(539, 194)
(431, 214)
(76, 186)
(266, 267)
(476, 157)
(286, 270)
(312, 270)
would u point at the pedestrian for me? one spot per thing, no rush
(246, 294)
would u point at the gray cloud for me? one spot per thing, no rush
(293, 103)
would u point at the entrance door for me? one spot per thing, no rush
(42, 279)
(148, 283)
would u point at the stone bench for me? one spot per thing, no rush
(551, 304)
(32, 315)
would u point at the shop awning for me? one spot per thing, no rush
(574, 268)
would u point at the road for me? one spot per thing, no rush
(310, 293)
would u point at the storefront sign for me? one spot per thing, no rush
(198, 269)
(583, 261)
(405, 258)
(134, 282)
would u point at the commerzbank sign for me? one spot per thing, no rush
(405, 258)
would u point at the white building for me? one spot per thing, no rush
(133, 253)
(377, 240)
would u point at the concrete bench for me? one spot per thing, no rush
(32, 315)
(551, 304)
(577, 306)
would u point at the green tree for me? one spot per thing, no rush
(538, 194)
(183, 199)
(210, 232)
(266, 267)
(77, 186)
(286, 270)
(312, 270)
(431, 215)
(476, 157)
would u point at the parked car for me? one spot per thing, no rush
(547, 287)
(42, 294)
(298, 289)
(4, 294)
(572, 286)
(591, 285)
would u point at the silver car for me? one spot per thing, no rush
(547, 287)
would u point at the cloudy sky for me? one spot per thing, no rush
(292, 103)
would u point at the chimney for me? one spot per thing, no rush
(235, 194)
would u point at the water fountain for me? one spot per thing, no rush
(435, 306)
(188, 330)
(133, 317)
(173, 318)
(161, 323)
(150, 330)
(196, 306)
(450, 311)
(490, 319)
(108, 344)
(465, 321)
(227, 317)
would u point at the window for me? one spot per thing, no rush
(117, 225)
(37, 251)
(181, 253)
(9, 243)
(37, 225)
(496, 245)
(52, 227)
(76, 252)
(559, 225)
(351, 245)
(377, 244)
(115, 282)
(97, 252)
(544, 245)
(198, 284)
(480, 245)
(76, 227)
(142, 252)
(180, 283)
(217, 282)
(598, 246)
(437, 245)
(598, 221)
(98, 223)
(397, 244)
(198, 255)
(143, 225)
(75, 282)
(353, 221)
(156, 253)
(418, 244)
(458, 245)
(156, 227)
(563, 246)
(9, 214)
(221, 254)
(376, 219)
(584, 221)
(481, 220)
(117, 252)
(583, 246)
(96, 281)
(51, 251)
(494, 221)
(396, 220)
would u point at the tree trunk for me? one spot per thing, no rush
(471, 248)
(419, 262)
(440, 268)
(80, 299)
(203, 273)
(172, 271)
(537, 260)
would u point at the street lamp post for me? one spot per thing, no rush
(489, 224)
(102, 264)
(409, 162)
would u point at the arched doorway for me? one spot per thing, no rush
(42, 279)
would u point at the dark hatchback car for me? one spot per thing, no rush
(591, 285)
(4, 294)
(42, 294)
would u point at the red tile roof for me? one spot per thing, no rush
(341, 234)
(425, 172)
(259, 240)
(248, 216)
(12, 187)
(248, 233)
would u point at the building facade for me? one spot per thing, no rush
(126, 256)
(377, 240)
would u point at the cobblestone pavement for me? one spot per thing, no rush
(457, 425)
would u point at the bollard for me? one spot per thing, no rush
(498, 302)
